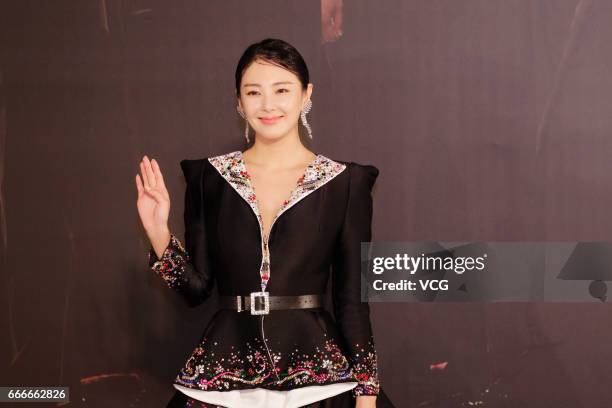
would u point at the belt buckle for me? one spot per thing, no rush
(256, 305)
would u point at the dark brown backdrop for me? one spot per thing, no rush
(488, 120)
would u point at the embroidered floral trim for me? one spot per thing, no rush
(171, 266)
(232, 168)
(365, 370)
(206, 371)
(328, 365)
(252, 368)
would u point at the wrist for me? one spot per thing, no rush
(160, 240)
(365, 401)
(158, 233)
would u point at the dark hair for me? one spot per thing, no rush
(277, 52)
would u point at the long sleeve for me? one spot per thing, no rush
(352, 315)
(185, 268)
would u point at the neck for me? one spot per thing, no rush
(284, 152)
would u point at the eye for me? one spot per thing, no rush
(283, 89)
(252, 92)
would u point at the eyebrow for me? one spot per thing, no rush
(276, 83)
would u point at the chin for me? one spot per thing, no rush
(271, 135)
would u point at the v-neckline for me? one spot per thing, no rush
(232, 168)
(292, 193)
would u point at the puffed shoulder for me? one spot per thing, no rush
(192, 169)
(363, 174)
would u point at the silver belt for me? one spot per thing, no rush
(259, 303)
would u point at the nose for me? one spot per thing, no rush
(269, 101)
(266, 102)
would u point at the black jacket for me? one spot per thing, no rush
(320, 227)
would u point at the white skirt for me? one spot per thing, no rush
(262, 398)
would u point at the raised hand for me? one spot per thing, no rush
(153, 201)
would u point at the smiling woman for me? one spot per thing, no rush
(273, 88)
(250, 232)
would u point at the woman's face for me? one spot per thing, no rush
(272, 99)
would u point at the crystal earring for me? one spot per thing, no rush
(246, 128)
(303, 116)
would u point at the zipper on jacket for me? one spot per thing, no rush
(266, 258)
(263, 336)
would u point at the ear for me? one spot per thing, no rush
(239, 103)
(307, 93)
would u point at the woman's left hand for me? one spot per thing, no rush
(366, 401)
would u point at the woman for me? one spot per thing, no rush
(267, 242)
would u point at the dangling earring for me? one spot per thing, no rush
(246, 128)
(303, 115)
